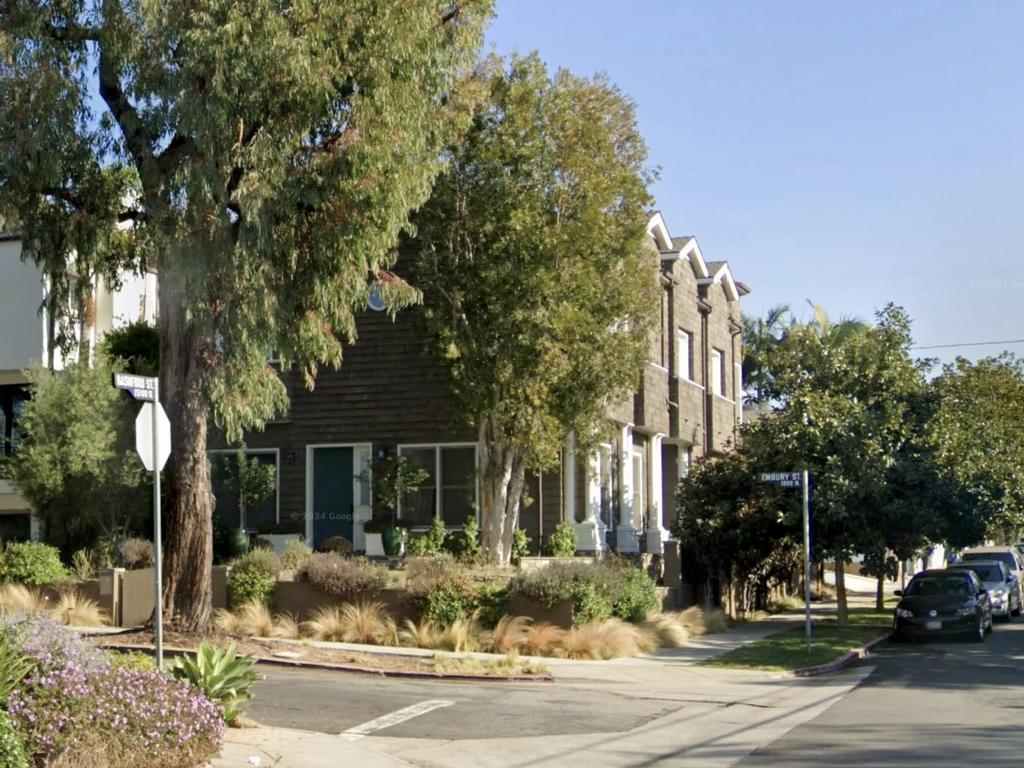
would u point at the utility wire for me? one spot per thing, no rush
(970, 344)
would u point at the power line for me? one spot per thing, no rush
(970, 344)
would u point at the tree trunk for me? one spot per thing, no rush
(842, 612)
(880, 593)
(503, 476)
(188, 503)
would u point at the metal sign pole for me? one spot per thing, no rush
(158, 623)
(805, 482)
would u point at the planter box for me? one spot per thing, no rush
(374, 545)
(560, 615)
(301, 599)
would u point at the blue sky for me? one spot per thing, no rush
(853, 154)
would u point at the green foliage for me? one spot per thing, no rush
(253, 576)
(562, 540)
(31, 562)
(392, 478)
(431, 542)
(464, 544)
(295, 555)
(541, 288)
(133, 660)
(597, 591)
(14, 666)
(343, 576)
(12, 749)
(520, 545)
(137, 345)
(492, 602)
(76, 464)
(250, 479)
(453, 597)
(223, 676)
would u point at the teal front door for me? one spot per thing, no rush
(332, 494)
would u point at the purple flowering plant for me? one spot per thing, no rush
(75, 695)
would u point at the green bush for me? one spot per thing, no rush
(343, 576)
(492, 602)
(12, 750)
(453, 597)
(31, 562)
(597, 590)
(562, 541)
(465, 544)
(133, 660)
(259, 559)
(219, 673)
(250, 585)
(296, 553)
(636, 597)
(520, 545)
(431, 542)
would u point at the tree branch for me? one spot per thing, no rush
(124, 112)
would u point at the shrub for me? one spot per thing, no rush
(431, 542)
(543, 639)
(12, 750)
(17, 598)
(424, 573)
(423, 635)
(75, 699)
(700, 622)
(14, 666)
(137, 553)
(520, 545)
(76, 610)
(597, 591)
(451, 599)
(221, 674)
(670, 632)
(258, 559)
(562, 541)
(492, 602)
(31, 562)
(82, 565)
(339, 545)
(636, 596)
(296, 553)
(250, 585)
(510, 634)
(345, 577)
(465, 544)
(133, 660)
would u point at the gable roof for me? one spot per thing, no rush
(720, 274)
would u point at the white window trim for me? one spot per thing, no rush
(438, 488)
(716, 373)
(658, 366)
(640, 511)
(686, 354)
(277, 472)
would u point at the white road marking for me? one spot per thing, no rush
(394, 718)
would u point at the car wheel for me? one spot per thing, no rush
(988, 629)
(1017, 612)
(979, 631)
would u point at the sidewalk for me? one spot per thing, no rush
(267, 747)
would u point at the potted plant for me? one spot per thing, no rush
(393, 477)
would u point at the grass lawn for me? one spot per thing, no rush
(788, 650)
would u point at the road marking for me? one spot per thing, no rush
(394, 718)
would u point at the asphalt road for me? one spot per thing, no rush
(333, 703)
(936, 704)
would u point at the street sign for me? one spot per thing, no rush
(783, 479)
(144, 436)
(139, 387)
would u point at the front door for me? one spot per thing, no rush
(332, 494)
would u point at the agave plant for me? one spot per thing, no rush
(221, 674)
(14, 666)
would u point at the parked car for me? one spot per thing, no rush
(940, 603)
(1006, 554)
(1003, 587)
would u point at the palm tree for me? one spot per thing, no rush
(760, 337)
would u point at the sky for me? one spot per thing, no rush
(849, 154)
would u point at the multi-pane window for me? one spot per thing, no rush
(684, 354)
(12, 400)
(639, 490)
(450, 490)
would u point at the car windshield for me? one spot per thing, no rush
(1003, 557)
(935, 586)
(985, 572)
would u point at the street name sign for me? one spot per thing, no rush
(139, 387)
(144, 442)
(783, 479)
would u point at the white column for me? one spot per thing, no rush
(590, 533)
(626, 537)
(569, 479)
(657, 535)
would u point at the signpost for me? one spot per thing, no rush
(153, 442)
(799, 480)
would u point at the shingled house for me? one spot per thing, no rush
(390, 396)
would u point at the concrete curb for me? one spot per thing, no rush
(350, 668)
(843, 661)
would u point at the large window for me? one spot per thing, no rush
(639, 490)
(450, 491)
(684, 354)
(12, 399)
(717, 372)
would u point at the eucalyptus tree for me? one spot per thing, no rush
(263, 157)
(538, 282)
